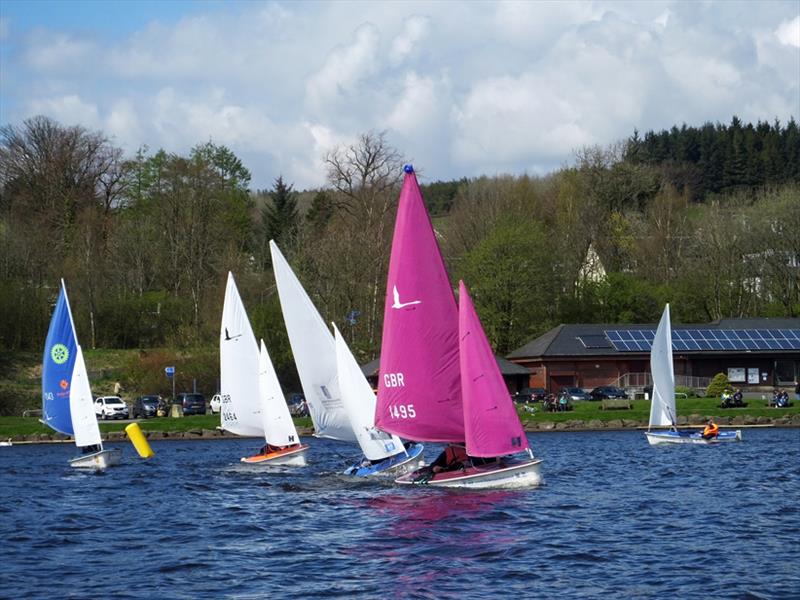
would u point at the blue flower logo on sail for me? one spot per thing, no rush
(59, 353)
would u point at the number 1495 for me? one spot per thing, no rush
(402, 411)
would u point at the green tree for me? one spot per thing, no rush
(280, 218)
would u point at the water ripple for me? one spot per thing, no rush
(617, 518)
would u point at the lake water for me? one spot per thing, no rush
(616, 518)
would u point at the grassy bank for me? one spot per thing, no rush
(640, 411)
(692, 408)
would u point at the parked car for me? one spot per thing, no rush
(297, 405)
(606, 392)
(193, 403)
(110, 407)
(145, 407)
(575, 393)
(529, 394)
(215, 404)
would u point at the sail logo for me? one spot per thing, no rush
(59, 353)
(64, 384)
(397, 304)
(229, 337)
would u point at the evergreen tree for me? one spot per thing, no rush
(279, 218)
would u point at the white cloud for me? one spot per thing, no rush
(345, 68)
(788, 32)
(415, 29)
(463, 89)
(68, 109)
(57, 51)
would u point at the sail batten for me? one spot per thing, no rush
(419, 390)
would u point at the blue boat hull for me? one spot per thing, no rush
(408, 460)
(691, 437)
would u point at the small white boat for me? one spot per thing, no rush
(439, 380)
(662, 405)
(67, 404)
(252, 402)
(6, 443)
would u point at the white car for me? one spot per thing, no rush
(215, 404)
(110, 407)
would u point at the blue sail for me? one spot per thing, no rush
(58, 363)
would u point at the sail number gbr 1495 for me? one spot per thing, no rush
(402, 411)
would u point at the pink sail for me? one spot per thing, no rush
(419, 396)
(492, 425)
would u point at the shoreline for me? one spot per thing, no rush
(575, 425)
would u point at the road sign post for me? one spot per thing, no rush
(170, 371)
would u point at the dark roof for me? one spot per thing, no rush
(506, 367)
(563, 340)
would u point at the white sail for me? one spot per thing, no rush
(662, 406)
(359, 402)
(240, 412)
(81, 405)
(314, 353)
(279, 429)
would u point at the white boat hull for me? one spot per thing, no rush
(294, 457)
(506, 474)
(97, 460)
(691, 437)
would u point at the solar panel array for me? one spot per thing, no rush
(694, 340)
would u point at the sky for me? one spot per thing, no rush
(462, 89)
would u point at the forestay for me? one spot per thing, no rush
(240, 412)
(359, 402)
(662, 406)
(279, 429)
(492, 425)
(314, 352)
(419, 395)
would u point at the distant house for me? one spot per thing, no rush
(754, 353)
(592, 269)
(515, 376)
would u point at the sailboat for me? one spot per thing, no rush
(662, 406)
(435, 381)
(340, 406)
(252, 402)
(67, 404)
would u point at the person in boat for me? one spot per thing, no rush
(269, 449)
(711, 430)
(452, 458)
(90, 449)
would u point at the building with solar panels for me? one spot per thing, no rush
(755, 354)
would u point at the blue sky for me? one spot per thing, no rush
(461, 88)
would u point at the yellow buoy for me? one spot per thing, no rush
(139, 441)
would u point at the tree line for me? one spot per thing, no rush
(145, 242)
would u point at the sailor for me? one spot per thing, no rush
(711, 430)
(452, 458)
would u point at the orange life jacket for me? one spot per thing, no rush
(711, 430)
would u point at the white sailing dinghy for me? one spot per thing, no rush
(67, 404)
(439, 381)
(252, 402)
(662, 405)
(339, 412)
